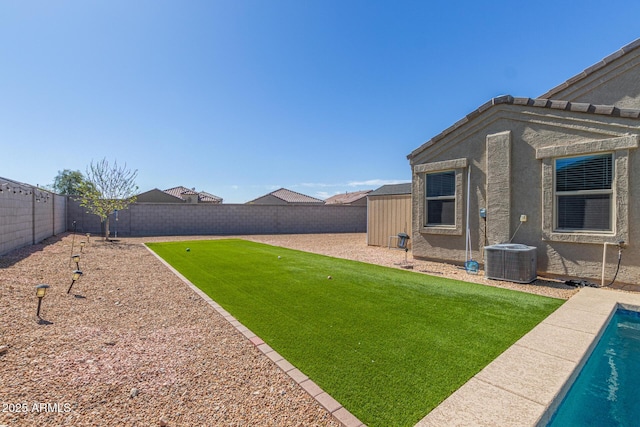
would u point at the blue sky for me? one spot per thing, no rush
(239, 98)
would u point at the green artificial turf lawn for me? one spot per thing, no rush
(388, 344)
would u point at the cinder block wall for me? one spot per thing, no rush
(158, 219)
(16, 216)
(59, 214)
(28, 215)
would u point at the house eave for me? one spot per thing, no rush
(552, 104)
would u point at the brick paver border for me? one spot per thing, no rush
(337, 411)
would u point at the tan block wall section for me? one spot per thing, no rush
(27, 218)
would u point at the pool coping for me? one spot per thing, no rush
(335, 408)
(524, 385)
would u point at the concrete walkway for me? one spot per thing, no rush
(524, 385)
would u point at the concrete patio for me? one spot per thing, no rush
(523, 386)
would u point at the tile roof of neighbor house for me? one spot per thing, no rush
(157, 191)
(208, 197)
(346, 198)
(392, 190)
(202, 196)
(546, 102)
(291, 197)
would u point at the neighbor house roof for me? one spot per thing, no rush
(289, 196)
(202, 196)
(346, 198)
(392, 190)
(157, 196)
(208, 197)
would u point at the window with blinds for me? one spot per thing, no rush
(441, 198)
(584, 193)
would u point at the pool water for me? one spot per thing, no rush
(607, 390)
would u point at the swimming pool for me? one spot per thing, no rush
(605, 392)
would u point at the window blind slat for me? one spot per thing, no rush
(575, 176)
(441, 184)
(584, 173)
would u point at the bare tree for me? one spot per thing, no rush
(108, 188)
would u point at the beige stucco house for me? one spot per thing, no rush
(560, 173)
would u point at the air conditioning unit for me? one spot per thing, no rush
(510, 262)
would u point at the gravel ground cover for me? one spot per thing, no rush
(131, 345)
(354, 246)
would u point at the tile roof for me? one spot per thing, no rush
(177, 191)
(553, 104)
(294, 197)
(208, 197)
(346, 198)
(392, 189)
(202, 196)
(291, 197)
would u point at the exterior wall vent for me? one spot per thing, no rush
(511, 262)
